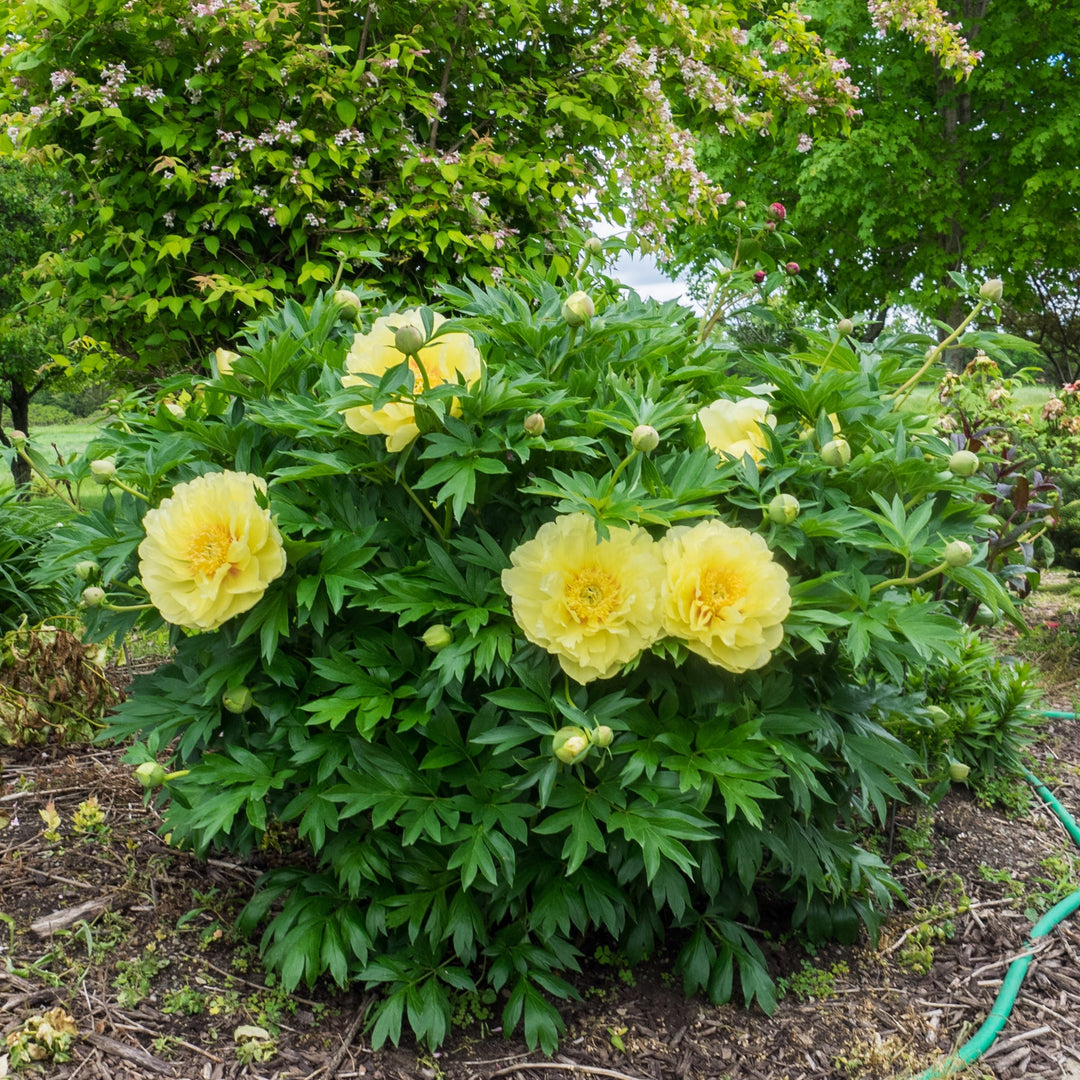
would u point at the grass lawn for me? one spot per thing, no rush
(924, 398)
(53, 440)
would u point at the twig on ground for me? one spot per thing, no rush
(590, 1070)
(332, 1066)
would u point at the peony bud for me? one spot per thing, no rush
(791, 268)
(534, 424)
(783, 509)
(86, 569)
(176, 410)
(225, 358)
(958, 553)
(601, 736)
(594, 245)
(409, 340)
(93, 596)
(237, 699)
(569, 744)
(17, 439)
(777, 211)
(578, 309)
(645, 438)
(959, 771)
(740, 204)
(836, 452)
(963, 463)
(437, 637)
(845, 327)
(759, 276)
(991, 290)
(349, 303)
(103, 470)
(151, 775)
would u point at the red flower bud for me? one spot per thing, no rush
(759, 276)
(777, 211)
(791, 268)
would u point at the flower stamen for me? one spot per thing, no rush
(209, 550)
(591, 595)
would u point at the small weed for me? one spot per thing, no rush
(1006, 793)
(186, 1001)
(473, 1006)
(89, 818)
(917, 838)
(615, 1036)
(42, 1038)
(253, 1044)
(812, 983)
(133, 978)
(51, 818)
(608, 957)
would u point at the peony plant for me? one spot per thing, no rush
(513, 628)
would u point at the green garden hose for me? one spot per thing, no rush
(981, 1041)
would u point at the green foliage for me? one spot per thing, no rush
(226, 156)
(444, 844)
(25, 528)
(30, 209)
(812, 983)
(981, 173)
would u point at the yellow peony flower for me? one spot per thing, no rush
(735, 427)
(593, 603)
(210, 550)
(723, 595)
(374, 353)
(224, 359)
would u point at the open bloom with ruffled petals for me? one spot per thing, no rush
(595, 604)
(723, 595)
(210, 550)
(443, 360)
(735, 427)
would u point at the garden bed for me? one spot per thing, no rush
(132, 939)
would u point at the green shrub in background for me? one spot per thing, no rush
(1035, 453)
(535, 625)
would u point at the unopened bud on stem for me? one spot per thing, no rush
(991, 290)
(845, 327)
(534, 424)
(964, 463)
(958, 553)
(93, 596)
(836, 452)
(409, 340)
(349, 303)
(437, 637)
(578, 309)
(569, 744)
(103, 470)
(783, 509)
(645, 438)
(237, 699)
(86, 569)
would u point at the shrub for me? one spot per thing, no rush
(541, 661)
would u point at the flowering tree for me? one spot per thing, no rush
(937, 175)
(225, 153)
(537, 626)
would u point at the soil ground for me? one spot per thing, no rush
(132, 941)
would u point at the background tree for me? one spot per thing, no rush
(1053, 323)
(227, 152)
(29, 213)
(937, 175)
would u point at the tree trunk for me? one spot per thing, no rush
(955, 108)
(18, 403)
